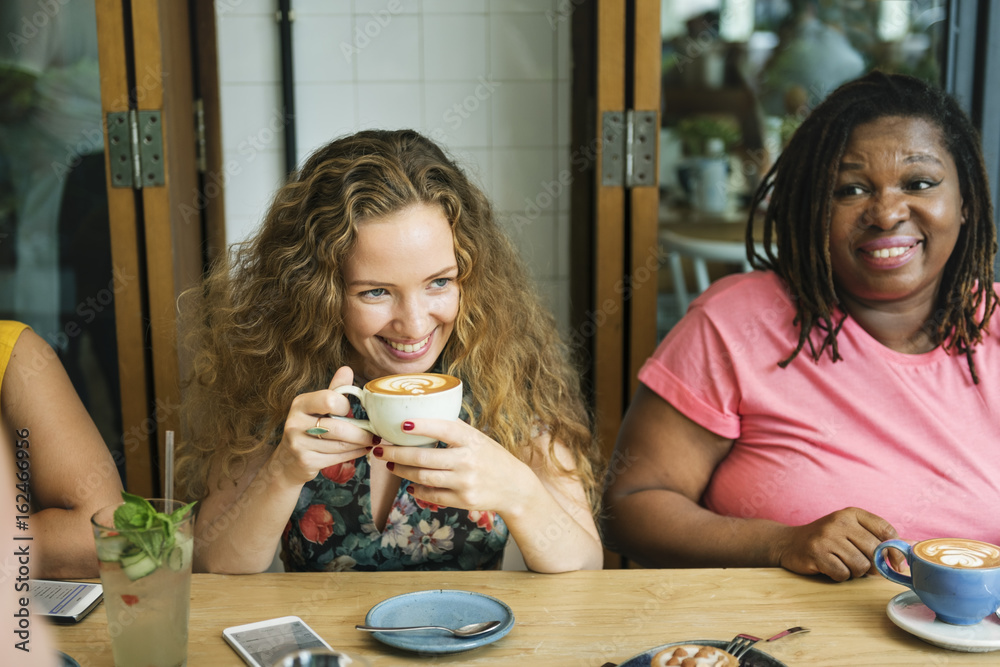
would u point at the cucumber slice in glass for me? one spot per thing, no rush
(137, 566)
(112, 548)
(175, 558)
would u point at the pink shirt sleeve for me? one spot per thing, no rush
(700, 366)
(699, 386)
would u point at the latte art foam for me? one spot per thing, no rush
(970, 554)
(415, 384)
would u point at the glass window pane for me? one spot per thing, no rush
(55, 248)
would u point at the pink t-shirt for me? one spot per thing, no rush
(907, 437)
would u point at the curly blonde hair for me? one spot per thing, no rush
(267, 324)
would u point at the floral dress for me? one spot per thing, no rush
(331, 529)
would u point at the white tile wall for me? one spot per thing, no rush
(447, 35)
(319, 47)
(389, 50)
(455, 6)
(323, 111)
(488, 79)
(522, 46)
(454, 115)
(382, 6)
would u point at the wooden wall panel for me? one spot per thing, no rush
(215, 178)
(645, 201)
(151, 41)
(607, 313)
(173, 245)
(126, 261)
(608, 308)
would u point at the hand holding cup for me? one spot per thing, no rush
(958, 579)
(393, 399)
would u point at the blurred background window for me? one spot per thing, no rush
(747, 71)
(55, 245)
(738, 78)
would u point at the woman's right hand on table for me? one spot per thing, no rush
(663, 463)
(840, 545)
(300, 456)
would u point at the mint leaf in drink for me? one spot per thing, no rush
(137, 512)
(178, 515)
(153, 533)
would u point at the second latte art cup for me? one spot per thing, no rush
(393, 399)
(956, 578)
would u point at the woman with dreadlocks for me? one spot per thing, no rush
(848, 391)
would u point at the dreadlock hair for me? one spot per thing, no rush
(799, 190)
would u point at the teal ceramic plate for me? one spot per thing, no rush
(66, 661)
(753, 657)
(439, 607)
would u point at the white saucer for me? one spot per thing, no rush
(908, 612)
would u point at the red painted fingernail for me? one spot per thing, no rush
(369, 448)
(407, 426)
(409, 489)
(389, 465)
(377, 452)
(376, 440)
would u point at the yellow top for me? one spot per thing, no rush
(10, 331)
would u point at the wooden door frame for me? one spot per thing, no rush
(133, 364)
(608, 314)
(616, 55)
(644, 251)
(155, 238)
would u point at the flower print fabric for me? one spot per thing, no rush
(332, 529)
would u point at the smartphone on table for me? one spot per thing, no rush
(263, 643)
(64, 601)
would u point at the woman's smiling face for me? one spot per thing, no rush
(896, 214)
(402, 298)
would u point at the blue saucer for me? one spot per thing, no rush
(66, 661)
(439, 607)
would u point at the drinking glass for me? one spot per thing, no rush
(318, 657)
(147, 597)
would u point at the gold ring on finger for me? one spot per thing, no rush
(317, 430)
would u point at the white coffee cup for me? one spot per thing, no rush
(393, 399)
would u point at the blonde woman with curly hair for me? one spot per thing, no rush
(381, 257)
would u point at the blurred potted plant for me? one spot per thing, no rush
(696, 132)
(704, 175)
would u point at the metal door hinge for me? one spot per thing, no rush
(629, 140)
(135, 149)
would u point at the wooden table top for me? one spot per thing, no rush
(579, 618)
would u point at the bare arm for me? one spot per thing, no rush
(664, 461)
(561, 535)
(72, 474)
(547, 512)
(239, 525)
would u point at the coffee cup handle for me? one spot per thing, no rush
(882, 563)
(360, 395)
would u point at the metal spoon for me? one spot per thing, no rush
(470, 630)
